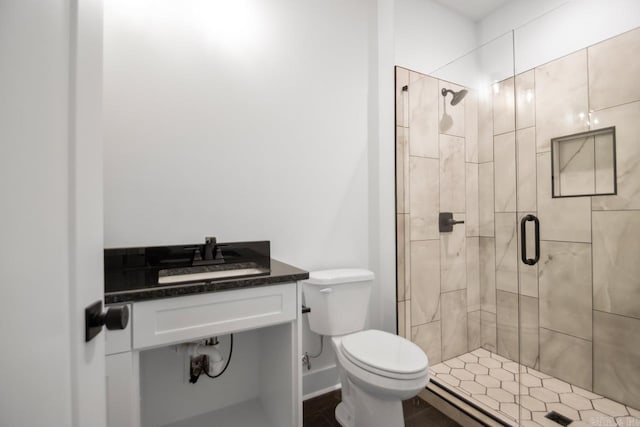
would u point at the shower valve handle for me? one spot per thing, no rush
(447, 222)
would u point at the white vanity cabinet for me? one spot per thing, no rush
(147, 379)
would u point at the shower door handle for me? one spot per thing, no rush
(523, 240)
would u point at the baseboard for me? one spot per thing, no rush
(321, 392)
(320, 381)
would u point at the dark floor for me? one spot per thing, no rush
(319, 412)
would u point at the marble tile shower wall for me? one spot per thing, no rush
(437, 171)
(580, 306)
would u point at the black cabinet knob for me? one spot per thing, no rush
(94, 319)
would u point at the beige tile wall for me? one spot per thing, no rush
(437, 170)
(579, 308)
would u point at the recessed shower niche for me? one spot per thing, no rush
(584, 164)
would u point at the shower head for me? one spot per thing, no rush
(457, 96)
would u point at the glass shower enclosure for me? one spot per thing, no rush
(518, 231)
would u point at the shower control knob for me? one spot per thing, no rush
(446, 222)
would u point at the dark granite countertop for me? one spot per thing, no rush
(280, 273)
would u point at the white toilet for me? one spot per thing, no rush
(378, 370)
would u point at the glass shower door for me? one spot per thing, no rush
(457, 218)
(578, 172)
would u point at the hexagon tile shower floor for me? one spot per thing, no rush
(491, 382)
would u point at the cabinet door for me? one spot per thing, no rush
(123, 390)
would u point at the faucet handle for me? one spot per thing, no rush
(212, 250)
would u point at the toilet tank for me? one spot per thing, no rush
(338, 299)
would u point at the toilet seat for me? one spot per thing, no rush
(385, 354)
(385, 385)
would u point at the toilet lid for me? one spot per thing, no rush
(384, 351)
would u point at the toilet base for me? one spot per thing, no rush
(367, 410)
(342, 415)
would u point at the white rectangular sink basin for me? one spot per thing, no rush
(209, 275)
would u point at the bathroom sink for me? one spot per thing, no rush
(199, 274)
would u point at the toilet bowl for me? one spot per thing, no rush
(378, 370)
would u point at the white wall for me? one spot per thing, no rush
(513, 14)
(244, 120)
(544, 30)
(428, 35)
(549, 29)
(263, 139)
(382, 165)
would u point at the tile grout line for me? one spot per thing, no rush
(567, 334)
(616, 105)
(624, 316)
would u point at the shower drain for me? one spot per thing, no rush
(559, 418)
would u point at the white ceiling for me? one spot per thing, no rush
(475, 10)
